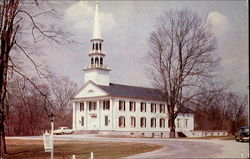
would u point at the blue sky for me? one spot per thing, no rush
(125, 28)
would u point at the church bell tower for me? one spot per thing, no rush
(97, 71)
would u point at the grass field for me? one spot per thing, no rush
(34, 149)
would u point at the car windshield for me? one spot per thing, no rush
(245, 130)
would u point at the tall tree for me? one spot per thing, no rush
(221, 110)
(181, 58)
(62, 89)
(19, 22)
(25, 107)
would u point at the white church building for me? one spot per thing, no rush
(107, 108)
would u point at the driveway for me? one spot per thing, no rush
(175, 148)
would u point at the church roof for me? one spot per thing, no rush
(133, 92)
(119, 90)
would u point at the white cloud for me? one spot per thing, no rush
(80, 16)
(219, 22)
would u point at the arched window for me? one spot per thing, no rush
(96, 60)
(162, 123)
(143, 122)
(92, 60)
(121, 121)
(101, 61)
(93, 46)
(153, 122)
(96, 46)
(100, 46)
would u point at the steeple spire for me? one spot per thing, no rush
(97, 31)
(97, 71)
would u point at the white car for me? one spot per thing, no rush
(63, 130)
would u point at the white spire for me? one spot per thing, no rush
(97, 31)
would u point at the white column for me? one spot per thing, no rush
(52, 139)
(99, 113)
(86, 116)
(111, 117)
(74, 115)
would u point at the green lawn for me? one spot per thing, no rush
(30, 149)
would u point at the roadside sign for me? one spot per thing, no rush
(47, 140)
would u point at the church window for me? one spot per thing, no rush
(162, 108)
(92, 106)
(122, 121)
(143, 107)
(82, 121)
(186, 123)
(122, 105)
(96, 46)
(106, 105)
(132, 106)
(96, 60)
(92, 60)
(101, 60)
(100, 46)
(162, 123)
(106, 121)
(153, 107)
(178, 123)
(153, 122)
(143, 122)
(93, 46)
(81, 107)
(133, 122)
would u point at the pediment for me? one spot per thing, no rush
(90, 89)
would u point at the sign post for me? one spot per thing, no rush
(47, 142)
(52, 116)
(52, 139)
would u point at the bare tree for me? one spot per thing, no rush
(237, 110)
(18, 23)
(26, 114)
(181, 58)
(62, 89)
(221, 110)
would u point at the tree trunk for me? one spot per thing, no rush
(2, 140)
(172, 127)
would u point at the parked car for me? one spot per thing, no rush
(63, 130)
(242, 134)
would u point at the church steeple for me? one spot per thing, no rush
(97, 71)
(97, 30)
